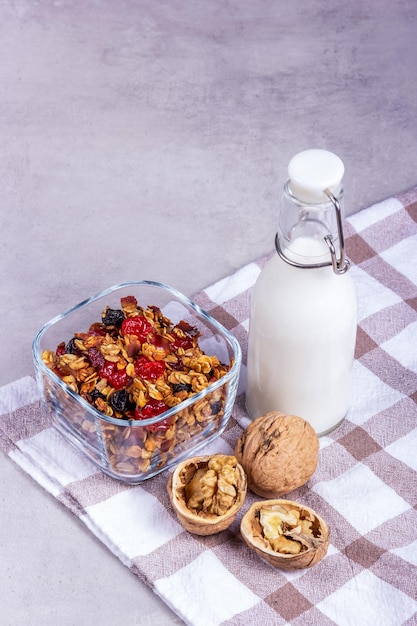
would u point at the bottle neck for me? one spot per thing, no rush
(310, 235)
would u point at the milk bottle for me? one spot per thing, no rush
(302, 328)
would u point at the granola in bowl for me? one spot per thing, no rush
(157, 391)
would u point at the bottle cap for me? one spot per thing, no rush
(313, 171)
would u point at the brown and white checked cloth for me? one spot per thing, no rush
(365, 485)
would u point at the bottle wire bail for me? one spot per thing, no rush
(340, 265)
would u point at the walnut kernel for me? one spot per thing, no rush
(207, 492)
(285, 533)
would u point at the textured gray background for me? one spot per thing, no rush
(149, 140)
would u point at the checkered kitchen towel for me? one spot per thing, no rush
(365, 485)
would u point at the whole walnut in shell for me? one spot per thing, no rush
(285, 533)
(278, 453)
(207, 492)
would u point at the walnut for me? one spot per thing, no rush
(207, 492)
(285, 533)
(278, 453)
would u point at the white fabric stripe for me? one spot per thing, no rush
(375, 213)
(17, 394)
(233, 285)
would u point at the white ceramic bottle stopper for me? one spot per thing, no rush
(311, 172)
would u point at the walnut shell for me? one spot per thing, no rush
(215, 514)
(278, 453)
(313, 550)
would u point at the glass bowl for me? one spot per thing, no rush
(133, 450)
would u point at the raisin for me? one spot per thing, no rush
(216, 407)
(95, 395)
(178, 365)
(176, 388)
(113, 317)
(71, 348)
(119, 400)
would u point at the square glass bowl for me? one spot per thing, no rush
(135, 450)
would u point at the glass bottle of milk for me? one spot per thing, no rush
(303, 320)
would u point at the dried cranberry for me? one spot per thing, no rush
(60, 349)
(161, 426)
(96, 358)
(152, 409)
(182, 342)
(149, 370)
(160, 342)
(113, 317)
(115, 377)
(97, 329)
(192, 331)
(138, 326)
(163, 321)
(185, 329)
(167, 444)
(128, 301)
(133, 346)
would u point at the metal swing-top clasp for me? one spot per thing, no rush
(339, 264)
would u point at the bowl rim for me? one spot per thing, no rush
(234, 370)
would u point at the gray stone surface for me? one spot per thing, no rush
(150, 140)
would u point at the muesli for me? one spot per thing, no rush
(136, 364)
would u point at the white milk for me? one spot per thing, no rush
(301, 340)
